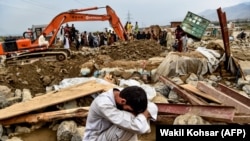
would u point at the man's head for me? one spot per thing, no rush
(133, 99)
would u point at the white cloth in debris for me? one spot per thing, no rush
(214, 58)
(150, 91)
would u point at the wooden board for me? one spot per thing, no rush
(79, 112)
(199, 93)
(53, 98)
(226, 100)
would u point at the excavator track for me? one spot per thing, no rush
(67, 51)
(27, 58)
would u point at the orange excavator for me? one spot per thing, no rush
(26, 49)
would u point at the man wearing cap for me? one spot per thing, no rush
(119, 115)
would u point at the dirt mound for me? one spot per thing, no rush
(41, 74)
(134, 50)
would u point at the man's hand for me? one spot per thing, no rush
(146, 114)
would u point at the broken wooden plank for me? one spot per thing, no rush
(232, 93)
(53, 98)
(180, 91)
(224, 98)
(225, 113)
(200, 93)
(80, 112)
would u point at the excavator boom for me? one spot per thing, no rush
(74, 15)
(25, 49)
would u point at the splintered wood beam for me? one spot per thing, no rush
(232, 93)
(53, 98)
(224, 98)
(46, 116)
(196, 91)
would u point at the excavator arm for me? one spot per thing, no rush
(19, 51)
(75, 15)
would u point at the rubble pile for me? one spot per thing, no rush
(133, 51)
(34, 84)
(38, 75)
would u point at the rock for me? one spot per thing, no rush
(1, 130)
(213, 78)
(241, 82)
(18, 93)
(46, 80)
(79, 134)
(246, 89)
(189, 119)
(21, 130)
(117, 73)
(26, 95)
(177, 80)
(14, 139)
(162, 88)
(192, 77)
(173, 96)
(4, 138)
(14, 100)
(3, 102)
(69, 105)
(37, 126)
(126, 75)
(85, 71)
(6, 91)
(66, 130)
(159, 98)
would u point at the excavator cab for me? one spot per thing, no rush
(34, 32)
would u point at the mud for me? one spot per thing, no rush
(41, 74)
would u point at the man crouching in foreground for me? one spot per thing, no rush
(119, 115)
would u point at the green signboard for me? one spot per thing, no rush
(195, 25)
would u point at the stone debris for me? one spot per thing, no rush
(132, 60)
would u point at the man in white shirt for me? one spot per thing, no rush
(184, 40)
(119, 115)
(66, 41)
(42, 41)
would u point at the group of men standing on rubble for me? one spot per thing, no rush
(178, 41)
(164, 37)
(90, 39)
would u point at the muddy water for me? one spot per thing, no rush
(43, 134)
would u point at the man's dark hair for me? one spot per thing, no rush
(136, 97)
